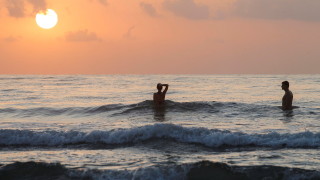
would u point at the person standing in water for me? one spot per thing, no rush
(159, 97)
(287, 97)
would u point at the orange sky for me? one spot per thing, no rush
(161, 36)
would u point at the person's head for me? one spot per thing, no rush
(159, 86)
(285, 85)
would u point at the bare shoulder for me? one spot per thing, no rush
(290, 93)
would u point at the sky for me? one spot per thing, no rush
(161, 37)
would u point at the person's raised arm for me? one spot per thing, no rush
(166, 89)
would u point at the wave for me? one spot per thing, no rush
(13, 78)
(197, 170)
(8, 90)
(148, 107)
(208, 137)
(47, 111)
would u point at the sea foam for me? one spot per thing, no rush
(203, 136)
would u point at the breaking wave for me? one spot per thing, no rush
(203, 136)
(197, 170)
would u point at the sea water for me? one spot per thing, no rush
(106, 127)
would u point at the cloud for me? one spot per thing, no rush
(149, 9)
(128, 34)
(17, 8)
(11, 39)
(187, 9)
(38, 5)
(306, 10)
(104, 2)
(81, 36)
(300, 10)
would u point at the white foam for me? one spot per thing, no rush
(208, 137)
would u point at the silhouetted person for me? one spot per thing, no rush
(287, 97)
(159, 97)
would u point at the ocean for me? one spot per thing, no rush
(105, 127)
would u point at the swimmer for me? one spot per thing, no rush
(159, 97)
(288, 96)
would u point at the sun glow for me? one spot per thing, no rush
(48, 19)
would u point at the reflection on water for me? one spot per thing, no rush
(288, 113)
(159, 112)
(288, 116)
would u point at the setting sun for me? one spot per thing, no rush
(47, 19)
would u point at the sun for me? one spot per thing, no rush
(47, 19)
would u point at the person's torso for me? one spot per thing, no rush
(159, 98)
